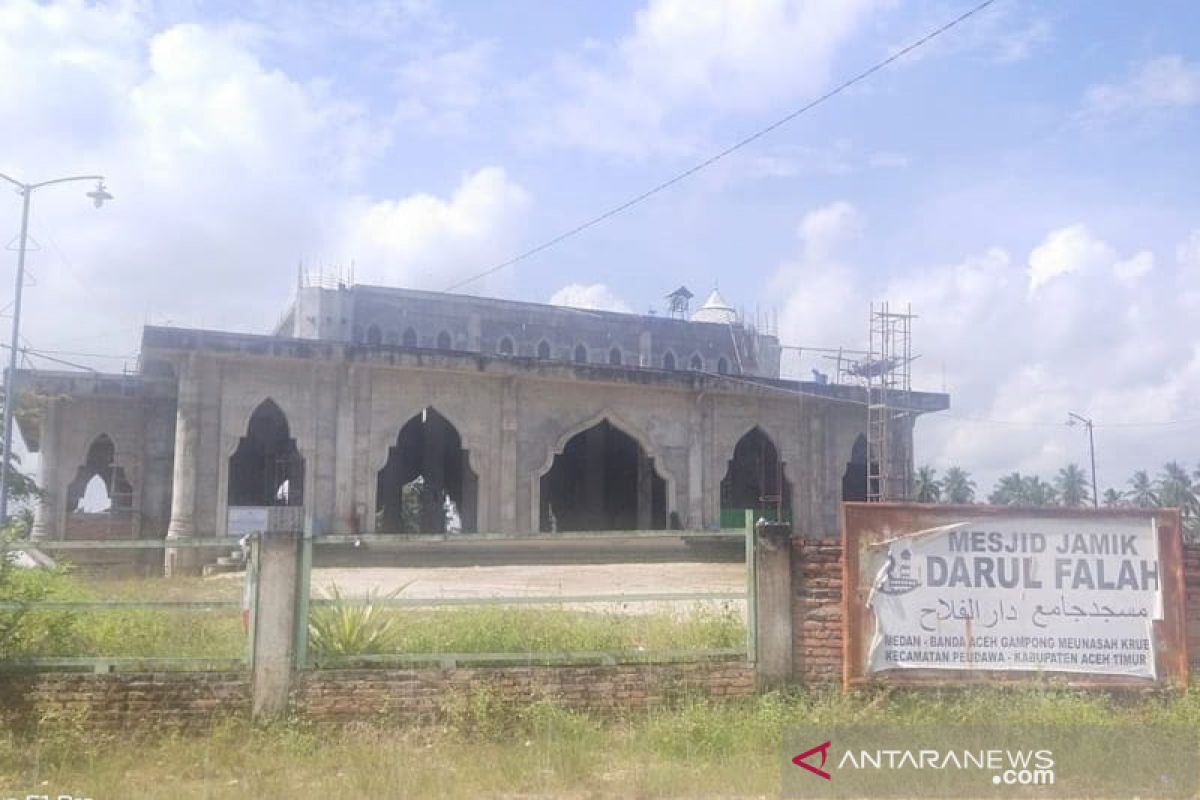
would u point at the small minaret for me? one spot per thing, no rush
(678, 303)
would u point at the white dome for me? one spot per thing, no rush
(715, 309)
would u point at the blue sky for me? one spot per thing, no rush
(1027, 181)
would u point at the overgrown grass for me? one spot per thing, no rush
(493, 629)
(488, 748)
(343, 629)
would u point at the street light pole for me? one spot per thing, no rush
(1072, 418)
(98, 195)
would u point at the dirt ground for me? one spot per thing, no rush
(534, 581)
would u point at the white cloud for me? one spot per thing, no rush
(1164, 82)
(1113, 342)
(428, 241)
(226, 172)
(1064, 252)
(440, 90)
(1134, 268)
(595, 296)
(697, 58)
(1188, 252)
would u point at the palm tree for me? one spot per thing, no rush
(1039, 493)
(1113, 499)
(1141, 491)
(1176, 490)
(1009, 491)
(927, 488)
(1071, 484)
(957, 486)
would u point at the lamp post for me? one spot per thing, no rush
(1072, 418)
(99, 195)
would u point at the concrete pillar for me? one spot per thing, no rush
(274, 622)
(506, 475)
(645, 349)
(772, 604)
(645, 490)
(183, 484)
(468, 509)
(47, 521)
(694, 518)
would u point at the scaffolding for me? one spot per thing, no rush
(887, 373)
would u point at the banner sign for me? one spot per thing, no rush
(932, 591)
(1069, 595)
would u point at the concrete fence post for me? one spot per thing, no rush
(773, 603)
(279, 561)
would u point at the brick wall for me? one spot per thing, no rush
(1191, 583)
(195, 699)
(817, 610)
(422, 694)
(117, 700)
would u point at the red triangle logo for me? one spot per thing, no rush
(823, 749)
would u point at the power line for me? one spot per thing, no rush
(708, 162)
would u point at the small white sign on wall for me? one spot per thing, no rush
(245, 520)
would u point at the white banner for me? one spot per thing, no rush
(1022, 593)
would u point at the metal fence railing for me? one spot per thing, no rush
(60, 619)
(533, 620)
(600, 597)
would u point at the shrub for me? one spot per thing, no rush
(24, 632)
(352, 629)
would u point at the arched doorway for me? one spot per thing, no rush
(755, 479)
(854, 480)
(427, 485)
(266, 469)
(602, 480)
(100, 463)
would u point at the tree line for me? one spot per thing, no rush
(1174, 486)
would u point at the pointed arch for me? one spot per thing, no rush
(374, 335)
(409, 338)
(266, 469)
(669, 361)
(854, 479)
(426, 485)
(101, 461)
(756, 478)
(615, 358)
(543, 350)
(506, 347)
(444, 342)
(722, 366)
(696, 363)
(581, 354)
(602, 473)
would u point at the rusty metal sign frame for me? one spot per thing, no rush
(866, 523)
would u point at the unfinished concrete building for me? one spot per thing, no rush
(381, 410)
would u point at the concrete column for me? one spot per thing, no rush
(46, 520)
(694, 518)
(274, 623)
(506, 475)
(772, 604)
(645, 349)
(187, 452)
(645, 491)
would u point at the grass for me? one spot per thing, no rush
(485, 748)
(471, 629)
